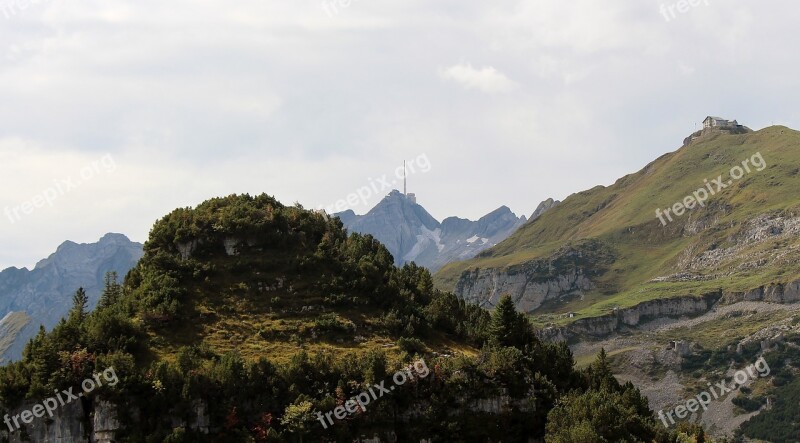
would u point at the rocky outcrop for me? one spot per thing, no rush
(231, 246)
(87, 420)
(187, 249)
(748, 247)
(105, 422)
(633, 316)
(485, 287)
(567, 273)
(67, 425)
(669, 308)
(543, 207)
(775, 293)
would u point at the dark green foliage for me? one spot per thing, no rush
(112, 291)
(330, 323)
(260, 400)
(607, 411)
(747, 403)
(80, 302)
(597, 416)
(778, 424)
(509, 327)
(412, 345)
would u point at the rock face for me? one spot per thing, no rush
(485, 287)
(543, 207)
(633, 316)
(88, 420)
(405, 228)
(410, 233)
(776, 293)
(66, 426)
(45, 293)
(670, 308)
(567, 273)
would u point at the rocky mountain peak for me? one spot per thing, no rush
(44, 294)
(410, 233)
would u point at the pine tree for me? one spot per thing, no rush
(509, 327)
(112, 291)
(504, 317)
(601, 377)
(80, 302)
(43, 360)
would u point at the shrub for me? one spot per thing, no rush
(746, 403)
(332, 323)
(178, 435)
(411, 345)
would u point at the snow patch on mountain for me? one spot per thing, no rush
(410, 233)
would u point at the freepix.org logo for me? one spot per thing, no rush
(378, 186)
(60, 188)
(717, 391)
(418, 370)
(711, 188)
(62, 398)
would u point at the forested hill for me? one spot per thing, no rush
(246, 320)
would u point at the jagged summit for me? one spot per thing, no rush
(412, 234)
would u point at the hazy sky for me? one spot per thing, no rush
(114, 113)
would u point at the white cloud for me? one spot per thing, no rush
(486, 79)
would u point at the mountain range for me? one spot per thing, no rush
(247, 320)
(410, 233)
(43, 295)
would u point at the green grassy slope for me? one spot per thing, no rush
(623, 216)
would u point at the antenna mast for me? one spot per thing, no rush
(404, 179)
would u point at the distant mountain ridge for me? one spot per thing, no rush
(43, 295)
(410, 233)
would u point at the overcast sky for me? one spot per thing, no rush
(127, 110)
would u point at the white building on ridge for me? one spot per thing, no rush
(717, 122)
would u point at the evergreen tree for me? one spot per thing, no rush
(112, 291)
(599, 374)
(509, 327)
(43, 361)
(80, 302)
(598, 416)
